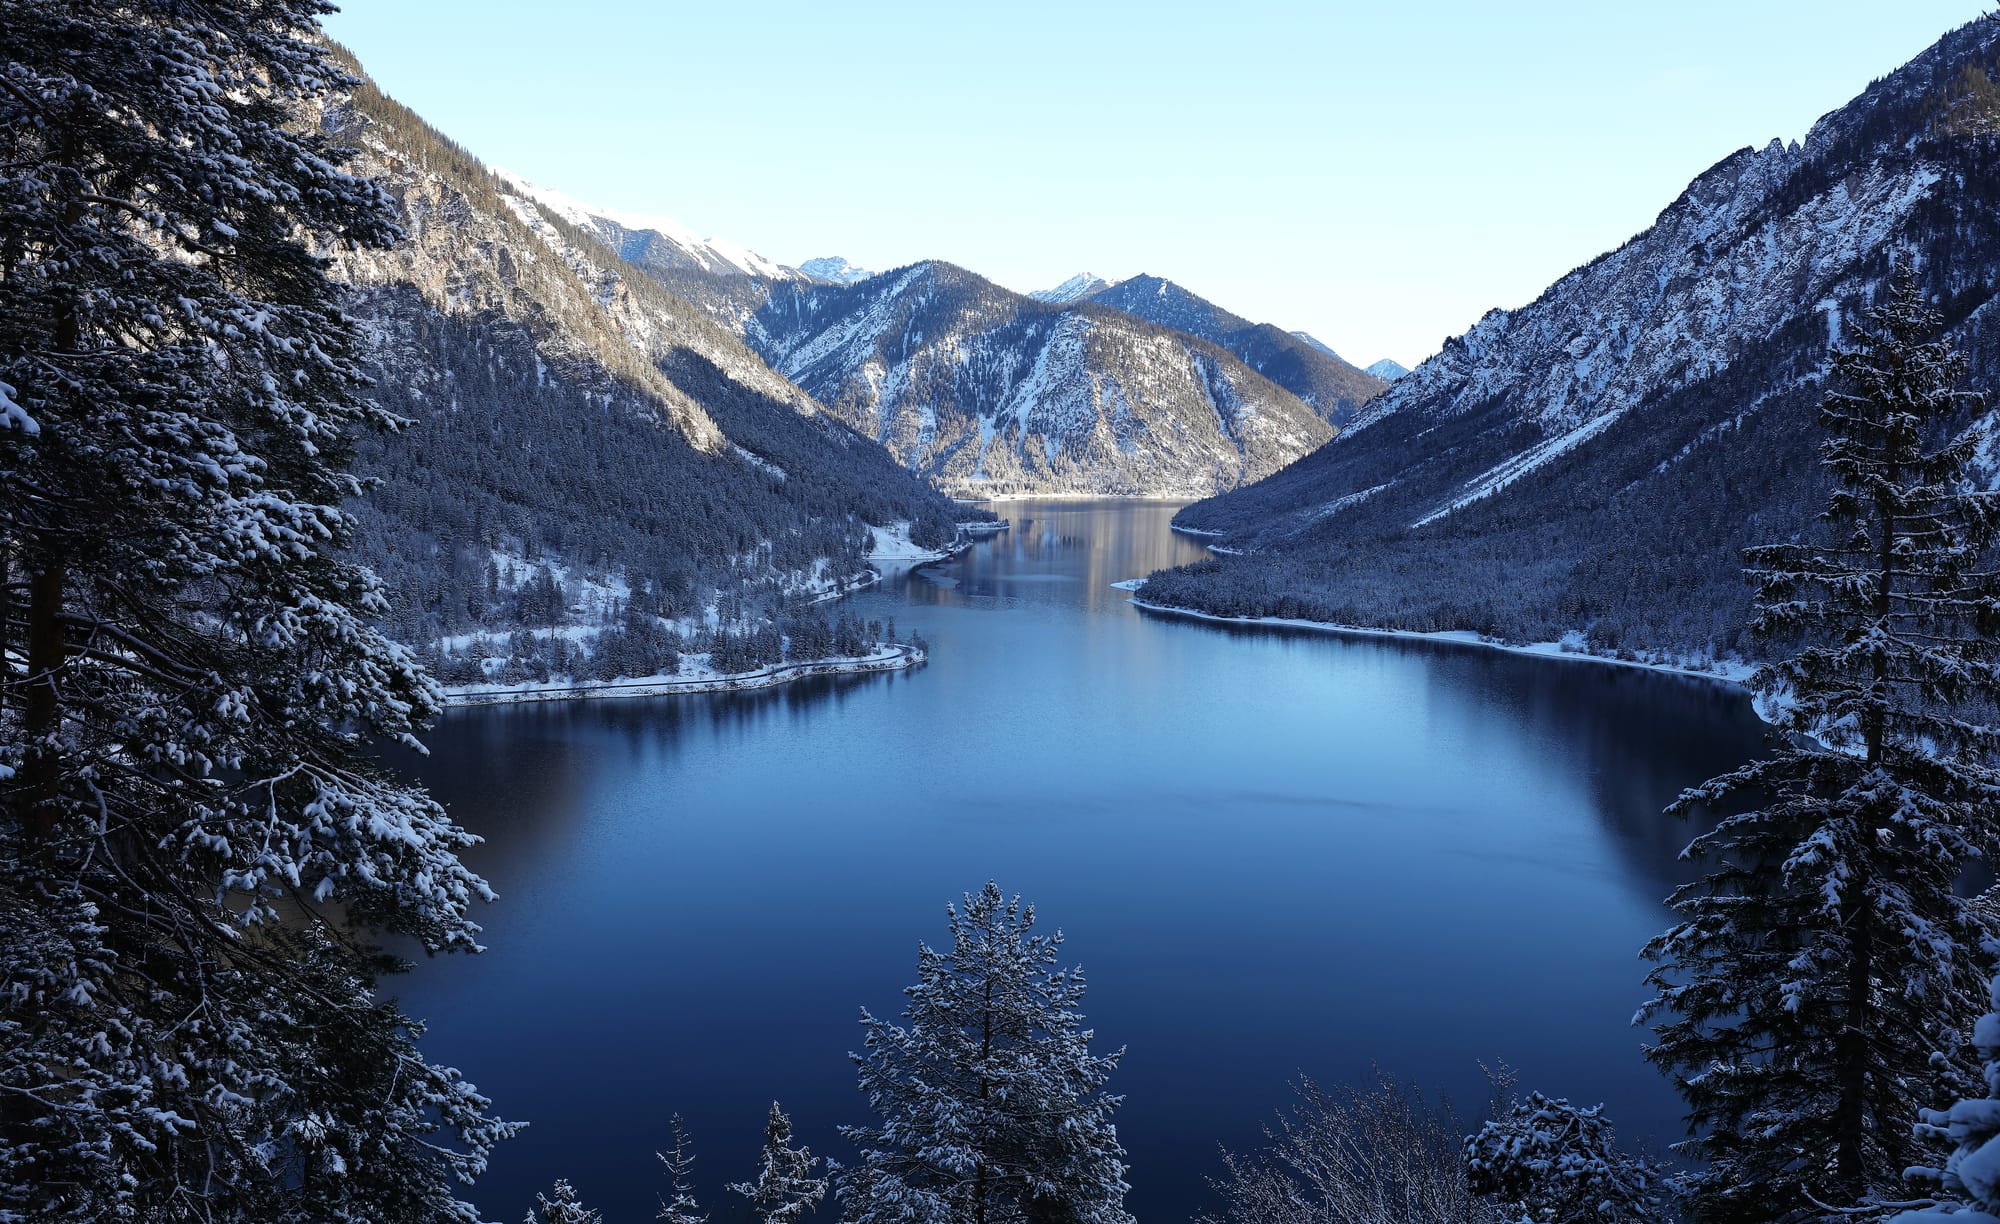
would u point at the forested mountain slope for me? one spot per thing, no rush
(1301, 365)
(1595, 461)
(989, 391)
(583, 442)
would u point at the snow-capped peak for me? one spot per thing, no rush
(712, 254)
(1388, 369)
(835, 269)
(1075, 289)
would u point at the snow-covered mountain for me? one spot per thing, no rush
(642, 238)
(1075, 289)
(1301, 365)
(725, 280)
(1244, 432)
(1595, 460)
(1388, 369)
(834, 269)
(988, 391)
(567, 407)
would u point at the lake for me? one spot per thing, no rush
(1273, 852)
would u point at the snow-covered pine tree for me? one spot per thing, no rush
(1551, 1162)
(678, 1160)
(1816, 986)
(785, 1191)
(1968, 1185)
(560, 1206)
(195, 849)
(992, 1107)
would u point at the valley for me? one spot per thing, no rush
(506, 700)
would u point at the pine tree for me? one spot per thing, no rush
(1815, 986)
(1552, 1162)
(785, 1190)
(992, 1106)
(680, 1208)
(560, 1206)
(196, 851)
(1968, 1184)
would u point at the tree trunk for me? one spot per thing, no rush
(985, 1088)
(47, 651)
(1857, 914)
(1852, 1044)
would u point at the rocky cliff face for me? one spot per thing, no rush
(990, 392)
(1595, 460)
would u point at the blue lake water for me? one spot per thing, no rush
(1273, 852)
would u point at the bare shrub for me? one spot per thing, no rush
(1381, 1154)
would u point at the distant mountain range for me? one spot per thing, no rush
(649, 239)
(1387, 370)
(1594, 462)
(788, 317)
(988, 391)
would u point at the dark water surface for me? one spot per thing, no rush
(1273, 852)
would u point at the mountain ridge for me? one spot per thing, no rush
(1593, 462)
(1076, 288)
(1304, 366)
(988, 391)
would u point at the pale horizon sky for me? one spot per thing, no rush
(1377, 175)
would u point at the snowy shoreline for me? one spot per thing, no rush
(892, 548)
(893, 657)
(974, 500)
(1730, 675)
(894, 543)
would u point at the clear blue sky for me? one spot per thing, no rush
(1378, 174)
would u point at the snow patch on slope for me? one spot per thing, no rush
(1506, 473)
(893, 543)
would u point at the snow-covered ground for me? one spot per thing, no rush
(893, 543)
(1731, 672)
(695, 677)
(983, 498)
